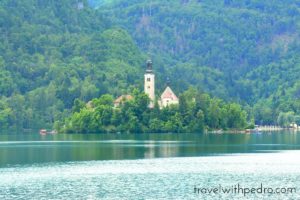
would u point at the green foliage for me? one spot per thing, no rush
(56, 52)
(285, 119)
(134, 116)
(242, 50)
(53, 53)
(5, 114)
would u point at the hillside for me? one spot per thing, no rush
(247, 51)
(52, 52)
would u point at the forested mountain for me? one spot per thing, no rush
(243, 50)
(53, 52)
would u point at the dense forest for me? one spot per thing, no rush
(55, 53)
(195, 113)
(242, 50)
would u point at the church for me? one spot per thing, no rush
(167, 98)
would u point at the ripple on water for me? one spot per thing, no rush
(163, 178)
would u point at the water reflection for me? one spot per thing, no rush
(33, 148)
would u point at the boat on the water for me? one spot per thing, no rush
(44, 132)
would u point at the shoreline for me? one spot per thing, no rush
(259, 129)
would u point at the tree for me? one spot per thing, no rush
(5, 115)
(285, 119)
(236, 116)
(214, 114)
(78, 105)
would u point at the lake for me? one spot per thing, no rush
(150, 166)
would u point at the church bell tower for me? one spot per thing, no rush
(149, 85)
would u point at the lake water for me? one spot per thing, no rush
(150, 166)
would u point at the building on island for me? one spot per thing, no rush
(167, 98)
(149, 83)
(121, 99)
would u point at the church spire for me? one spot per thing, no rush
(149, 66)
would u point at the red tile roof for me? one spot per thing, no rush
(169, 94)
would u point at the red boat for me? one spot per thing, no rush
(43, 131)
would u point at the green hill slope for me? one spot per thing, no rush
(52, 52)
(243, 50)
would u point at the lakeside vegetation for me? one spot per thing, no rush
(55, 52)
(195, 113)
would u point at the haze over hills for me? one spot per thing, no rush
(52, 52)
